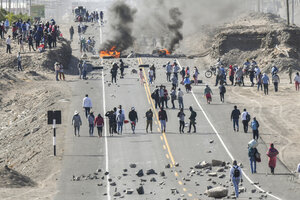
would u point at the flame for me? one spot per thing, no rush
(165, 51)
(110, 53)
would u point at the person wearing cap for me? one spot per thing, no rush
(76, 121)
(236, 177)
(133, 117)
(266, 82)
(163, 118)
(87, 105)
(91, 119)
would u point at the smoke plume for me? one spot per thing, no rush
(175, 27)
(121, 18)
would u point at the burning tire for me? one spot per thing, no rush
(208, 74)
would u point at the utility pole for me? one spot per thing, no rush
(293, 11)
(9, 5)
(1, 4)
(258, 5)
(288, 12)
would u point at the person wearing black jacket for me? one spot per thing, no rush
(122, 67)
(235, 115)
(149, 117)
(30, 42)
(112, 121)
(192, 120)
(114, 72)
(163, 118)
(155, 96)
(133, 117)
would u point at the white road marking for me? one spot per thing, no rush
(224, 145)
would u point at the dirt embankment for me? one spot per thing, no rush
(263, 37)
(25, 97)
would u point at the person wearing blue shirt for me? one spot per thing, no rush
(266, 81)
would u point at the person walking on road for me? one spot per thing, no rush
(236, 177)
(174, 80)
(235, 115)
(19, 60)
(155, 96)
(76, 121)
(297, 81)
(91, 120)
(8, 45)
(79, 66)
(195, 75)
(245, 120)
(254, 126)
(168, 71)
(222, 91)
(154, 71)
(99, 123)
(252, 151)
(259, 82)
(87, 105)
(272, 154)
(84, 70)
(187, 84)
(290, 74)
(181, 116)
(266, 82)
(56, 69)
(150, 73)
(176, 69)
(276, 81)
(114, 72)
(166, 96)
(173, 97)
(133, 117)
(142, 78)
(192, 119)
(120, 121)
(71, 31)
(163, 118)
(207, 93)
(161, 95)
(180, 98)
(111, 121)
(149, 120)
(61, 72)
(231, 74)
(122, 68)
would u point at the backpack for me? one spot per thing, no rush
(236, 172)
(248, 117)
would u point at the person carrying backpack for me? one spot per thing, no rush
(192, 120)
(236, 177)
(254, 126)
(252, 156)
(245, 120)
(111, 121)
(155, 96)
(222, 90)
(99, 123)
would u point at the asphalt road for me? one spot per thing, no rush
(84, 155)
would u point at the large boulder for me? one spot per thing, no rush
(219, 163)
(217, 192)
(202, 165)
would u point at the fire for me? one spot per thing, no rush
(164, 52)
(112, 53)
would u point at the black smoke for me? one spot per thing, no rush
(121, 18)
(175, 28)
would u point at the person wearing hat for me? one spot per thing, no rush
(133, 117)
(91, 119)
(76, 121)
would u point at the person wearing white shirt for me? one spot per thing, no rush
(87, 105)
(245, 120)
(297, 81)
(8, 47)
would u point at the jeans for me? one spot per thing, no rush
(253, 164)
(245, 124)
(169, 76)
(19, 66)
(236, 123)
(114, 77)
(120, 127)
(163, 126)
(99, 131)
(236, 182)
(259, 85)
(149, 122)
(133, 124)
(91, 129)
(8, 48)
(157, 103)
(76, 129)
(150, 79)
(56, 75)
(255, 134)
(222, 96)
(266, 89)
(87, 111)
(192, 123)
(180, 102)
(173, 104)
(276, 86)
(84, 72)
(181, 126)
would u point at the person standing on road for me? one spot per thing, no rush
(168, 71)
(71, 31)
(235, 115)
(154, 72)
(174, 81)
(176, 69)
(266, 82)
(276, 81)
(155, 96)
(208, 93)
(19, 60)
(297, 81)
(181, 116)
(30, 42)
(133, 117)
(236, 177)
(245, 120)
(76, 121)
(290, 74)
(87, 105)
(195, 75)
(255, 126)
(84, 70)
(114, 72)
(151, 74)
(252, 156)
(231, 74)
(111, 121)
(187, 84)
(259, 82)
(161, 95)
(61, 72)
(192, 120)
(166, 96)
(180, 98)
(99, 123)
(79, 66)
(149, 120)
(8, 43)
(222, 91)
(91, 120)
(272, 154)
(122, 68)
(142, 78)
(173, 96)
(56, 68)
(182, 73)
(120, 121)
(163, 118)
